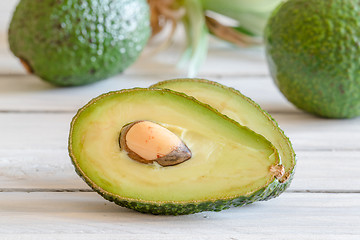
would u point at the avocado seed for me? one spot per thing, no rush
(146, 142)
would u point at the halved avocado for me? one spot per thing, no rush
(243, 110)
(230, 165)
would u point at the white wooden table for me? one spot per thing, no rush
(40, 193)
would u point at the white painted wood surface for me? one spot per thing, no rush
(41, 197)
(88, 213)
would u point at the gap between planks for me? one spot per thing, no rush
(51, 190)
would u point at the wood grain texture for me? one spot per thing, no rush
(28, 93)
(87, 213)
(177, 236)
(41, 196)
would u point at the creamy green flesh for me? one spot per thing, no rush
(228, 160)
(238, 107)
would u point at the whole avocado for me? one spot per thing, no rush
(313, 50)
(77, 42)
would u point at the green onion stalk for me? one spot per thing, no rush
(240, 22)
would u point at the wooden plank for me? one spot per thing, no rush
(28, 170)
(27, 93)
(177, 236)
(309, 132)
(39, 170)
(34, 131)
(327, 171)
(293, 214)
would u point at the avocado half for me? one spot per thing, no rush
(231, 164)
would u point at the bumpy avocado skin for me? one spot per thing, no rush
(313, 50)
(192, 207)
(274, 189)
(71, 42)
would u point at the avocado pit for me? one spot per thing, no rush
(148, 142)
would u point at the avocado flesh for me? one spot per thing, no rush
(78, 42)
(229, 162)
(243, 110)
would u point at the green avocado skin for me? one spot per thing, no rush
(73, 42)
(191, 208)
(273, 190)
(313, 49)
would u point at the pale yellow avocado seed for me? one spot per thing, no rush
(146, 142)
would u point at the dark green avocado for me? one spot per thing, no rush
(72, 42)
(232, 163)
(312, 49)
